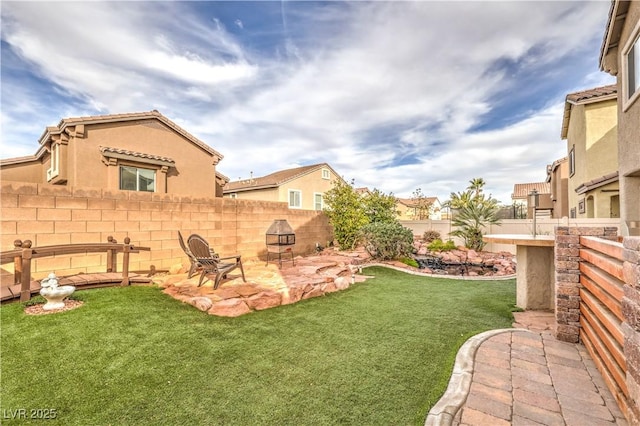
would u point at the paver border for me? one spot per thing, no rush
(445, 410)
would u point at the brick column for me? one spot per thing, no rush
(631, 324)
(567, 300)
(567, 262)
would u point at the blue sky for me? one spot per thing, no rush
(396, 95)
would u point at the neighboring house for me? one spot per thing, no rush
(301, 187)
(589, 126)
(137, 152)
(558, 180)
(362, 191)
(620, 57)
(521, 196)
(408, 209)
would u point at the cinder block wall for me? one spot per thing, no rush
(48, 215)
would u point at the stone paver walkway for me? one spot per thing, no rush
(525, 377)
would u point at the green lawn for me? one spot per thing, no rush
(379, 353)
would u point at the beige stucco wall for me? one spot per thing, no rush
(82, 163)
(407, 213)
(593, 133)
(194, 172)
(560, 191)
(629, 136)
(33, 171)
(308, 184)
(270, 194)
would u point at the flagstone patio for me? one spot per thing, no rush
(267, 285)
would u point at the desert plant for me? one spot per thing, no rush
(409, 261)
(387, 241)
(472, 219)
(439, 245)
(431, 235)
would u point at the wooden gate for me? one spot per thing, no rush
(601, 311)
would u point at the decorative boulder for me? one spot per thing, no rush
(229, 308)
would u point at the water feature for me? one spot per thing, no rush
(54, 294)
(438, 266)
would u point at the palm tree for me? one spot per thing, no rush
(476, 185)
(472, 218)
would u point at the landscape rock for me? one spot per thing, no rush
(342, 283)
(202, 303)
(264, 300)
(291, 295)
(316, 292)
(229, 308)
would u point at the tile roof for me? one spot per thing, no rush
(272, 180)
(597, 94)
(613, 30)
(522, 190)
(126, 152)
(114, 118)
(592, 95)
(411, 203)
(597, 182)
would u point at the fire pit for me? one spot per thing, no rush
(280, 239)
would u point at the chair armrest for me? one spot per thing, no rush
(235, 256)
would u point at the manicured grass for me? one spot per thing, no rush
(378, 353)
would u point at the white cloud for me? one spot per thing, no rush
(357, 85)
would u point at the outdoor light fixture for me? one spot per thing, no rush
(533, 200)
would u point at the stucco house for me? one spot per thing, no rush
(558, 180)
(620, 57)
(408, 209)
(142, 151)
(520, 196)
(300, 187)
(589, 126)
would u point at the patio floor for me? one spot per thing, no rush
(268, 285)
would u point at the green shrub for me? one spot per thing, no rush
(431, 235)
(409, 261)
(387, 241)
(438, 245)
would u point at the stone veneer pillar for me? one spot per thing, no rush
(567, 262)
(631, 324)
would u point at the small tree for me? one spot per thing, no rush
(474, 211)
(345, 212)
(421, 205)
(471, 220)
(380, 207)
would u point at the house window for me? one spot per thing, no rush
(325, 174)
(137, 179)
(572, 214)
(295, 198)
(54, 167)
(631, 67)
(581, 208)
(572, 161)
(317, 201)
